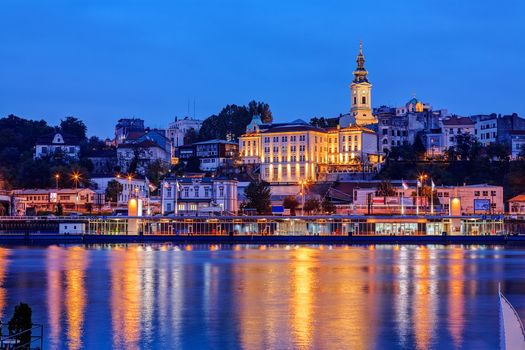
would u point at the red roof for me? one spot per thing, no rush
(518, 198)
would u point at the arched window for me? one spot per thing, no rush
(385, 142)
(363, 100)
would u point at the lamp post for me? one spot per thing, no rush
(129, 186)
(302, 183)
(57, 177)
(76, 177)
(420, 180)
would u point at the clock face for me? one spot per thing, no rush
(355, 92)
(364, 92)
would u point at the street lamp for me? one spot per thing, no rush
(302, 183)
(57, 177)
(420, 180)
(76, 178)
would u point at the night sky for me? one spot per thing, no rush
(101, 60)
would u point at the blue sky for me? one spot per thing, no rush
(104, 60)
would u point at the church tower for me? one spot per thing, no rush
(361, 93)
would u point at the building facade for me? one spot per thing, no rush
(199, 196)
(455, 126)
(58, 144)
(517, 143)
(34, 201)
(361, 93)
(298, 151)
(214, 154)
(178, 129)
(486, 129)
(132, 187)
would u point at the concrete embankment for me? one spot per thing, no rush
(48, 239)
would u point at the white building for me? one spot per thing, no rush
(199, 196)
(146, 151)
(132, 187)
(454, 126)
(474, 199)
(32, 201)
(517, 143)
(486, 128)
(58, 144)
(178, 129)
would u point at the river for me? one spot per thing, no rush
(263, 297)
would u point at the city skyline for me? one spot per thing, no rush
(114, 62)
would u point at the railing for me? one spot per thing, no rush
(32, 338)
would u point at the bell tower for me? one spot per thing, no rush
(361, 93)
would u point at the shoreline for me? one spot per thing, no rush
(52, 239)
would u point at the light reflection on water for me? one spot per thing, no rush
(154, 296)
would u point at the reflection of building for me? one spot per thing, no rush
(199, 195)
(58, 144)
(30, 202)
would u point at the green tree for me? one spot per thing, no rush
(327, 206)
(191, 136)
(312, 205)
(262, 109)
(74, 127)
(113, 191)
(258, 197)
(385, 189)
(193, 165)
(291, 203)
(21, 321)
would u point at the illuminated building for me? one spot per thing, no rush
(297, 151)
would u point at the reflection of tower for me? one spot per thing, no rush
(360, 90)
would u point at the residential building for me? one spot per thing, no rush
(474, 199)
(214, 154)
(517, 143)
(104, 161)
(127, 127)
(132, 187)
(58, 145)
(517, 204)
(361, 93)
(454, 126)
(486, 128)
(33, 201)
(506, 125)
(199, 195)
(177, 129)
(144, 153)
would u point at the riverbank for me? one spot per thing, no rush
(50, 239)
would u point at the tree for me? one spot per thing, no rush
(290, 202)
(191, 136)
(312, 205)
(21, 321)
(418, 147)
(193, 165)
(155, 171)
(59, 210)
(258, 196)
(385, 189)
(74, 127)
(113, 191)
(262, 109)
(328, 206)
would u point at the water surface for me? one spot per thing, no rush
(262, 297)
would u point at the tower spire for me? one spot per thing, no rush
(360, 73)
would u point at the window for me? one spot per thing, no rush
(292, 171)
(355, 100)
(476, 193)
(168, 192)
(266, 140)
(186, 192)
(363, 100)
(196, 190)
(267, 172)
(206, 192)
(276, 139)
(292, 138)
(285, 172)
(284, 138)
(301, 171)
(385, 131)
(493, 193)
(485, 193)
(221, 191)
(343, 138)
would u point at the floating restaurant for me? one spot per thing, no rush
(299, 225)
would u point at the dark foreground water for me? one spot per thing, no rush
(284, 297)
